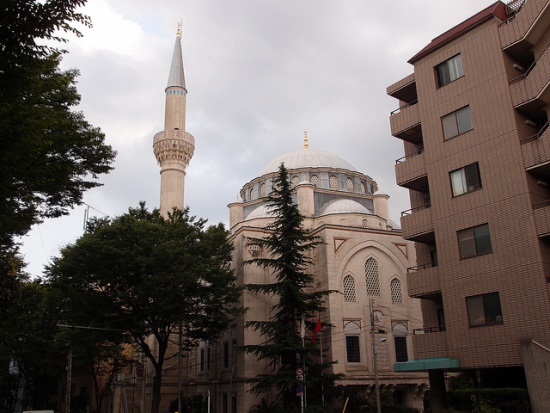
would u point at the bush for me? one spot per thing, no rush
(509, 400)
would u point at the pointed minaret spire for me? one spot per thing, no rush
(174, 147)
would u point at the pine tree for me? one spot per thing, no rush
(289, 248)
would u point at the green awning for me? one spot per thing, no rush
(438, 363)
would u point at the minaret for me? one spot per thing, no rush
(174, 147)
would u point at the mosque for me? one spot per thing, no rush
(363, 257)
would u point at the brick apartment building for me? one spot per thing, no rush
(474, 121)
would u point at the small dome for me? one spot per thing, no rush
(263, 211)
(343, 206)
(307, 158)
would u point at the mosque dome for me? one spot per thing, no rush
(308, 158)
(263, 211)
(343, 206)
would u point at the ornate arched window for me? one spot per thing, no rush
(315, 180)
(295, 180)
(262, 190)
(349, 289)
(396, 295)
(372, 277)
(352, 331)
(333, 182)
(349, 184)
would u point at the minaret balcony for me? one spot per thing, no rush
(410, 169)
(430, 342)
(174, 146)
(532, 88)
(417, 223)
(525, 28)
(423, 280)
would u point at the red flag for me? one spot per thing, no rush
(316, 329)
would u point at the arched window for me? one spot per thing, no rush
(363, 189)
(349, 184)
(315, 180)
(352, 330)
(333, 182)
(262, 190)
(372, 277)
(295, 180)
(349, 289)
(400, 333)
(250, 194)
(365, 223)
(396, 295)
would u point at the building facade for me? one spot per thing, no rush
(363, 258)
(474, 121)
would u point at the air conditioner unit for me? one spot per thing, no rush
(518, 68)
(529, 122)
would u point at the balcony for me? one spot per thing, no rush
(535, 150)
(417, 224)
(429, 343)
(541, 211)
(404, 90)
(531, 91)
(423, 280)
(405, 123)
(524, 28)
(410, 171)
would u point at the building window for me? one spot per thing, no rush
(449, 70)
(208, 357)
(474, 241)
(225, 354)
(224, 403)
(352, 330)
(396, 295)
(349, 184)
(295, 180)
(484, 309)
(202, 359)
(372, 277)
(363, 188)
(466, 179)
(315, 180)
(234, 349)
(457, 122)
(262, 190)
(365, 223)
(251, 194)
(333, 182)
(349, 289)
(400, 333)
(233, 404)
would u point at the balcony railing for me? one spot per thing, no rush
(399, 109)
(415, 209)
(409, 156)
(428, 330)
(421, 267)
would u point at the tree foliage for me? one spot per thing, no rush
(154, 274)
(289, 248)
(49, 153)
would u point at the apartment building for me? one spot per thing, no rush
(473, 118)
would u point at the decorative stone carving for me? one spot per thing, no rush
(254, 250)
(174, 145)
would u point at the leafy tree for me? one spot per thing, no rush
(154, 274)
(28, 342)
(49, 153)
(289, 246)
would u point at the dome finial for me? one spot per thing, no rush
(178, 33)
(306, 141)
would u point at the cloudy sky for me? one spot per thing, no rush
(258, 73)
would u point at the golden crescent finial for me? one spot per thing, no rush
(179, 30)
(306, 141)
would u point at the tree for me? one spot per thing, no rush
(289, 246)
(155, 274)
(49, 153)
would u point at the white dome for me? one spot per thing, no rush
(307, 158)
(343, 206)
(263, 211)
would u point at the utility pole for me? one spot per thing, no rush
(374, 356)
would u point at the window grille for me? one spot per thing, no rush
(262, 190)
(373, 277)
(333, 181)
(295, 180)
(349, 184)
(315, 180)
(349, 289)
(396, 295)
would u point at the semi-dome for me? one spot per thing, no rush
(263, 211)
(344, 206)
(308, 158)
